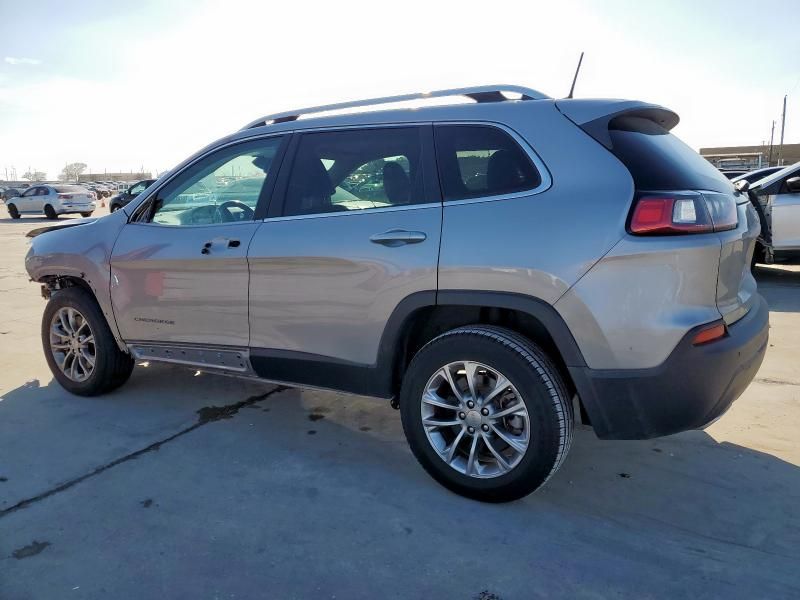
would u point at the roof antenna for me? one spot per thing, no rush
(574, 79)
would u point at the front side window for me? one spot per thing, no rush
(222, 188)
(480, 160)
(29, 192)
(354, 170)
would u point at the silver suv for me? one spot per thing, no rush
(498, 268)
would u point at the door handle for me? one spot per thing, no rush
(228, 242)
(398, 237)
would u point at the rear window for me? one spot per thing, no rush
(70, 189)
(657, 160)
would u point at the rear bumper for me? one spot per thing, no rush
(689, 390)
(68, 209)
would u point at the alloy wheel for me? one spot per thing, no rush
(475, 419)
(72, 344)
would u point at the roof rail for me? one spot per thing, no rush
(483, 93)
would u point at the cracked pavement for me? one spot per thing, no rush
(181, 485)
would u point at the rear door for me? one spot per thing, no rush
(661, 166)
(357, 232)
(179, 269)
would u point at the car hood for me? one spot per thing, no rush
(64, 225)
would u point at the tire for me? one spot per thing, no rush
(50, 212)
(533, 380)
(114, 208)
(112, 367)
(12, 211)
(86, 214)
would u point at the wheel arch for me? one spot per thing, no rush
(52, 283)
(421, 317)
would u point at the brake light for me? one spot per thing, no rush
(683, 213)
(65, 196)
(709, 334)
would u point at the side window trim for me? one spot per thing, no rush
(544, 173)
(430, 181)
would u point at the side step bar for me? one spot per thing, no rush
(236, 360)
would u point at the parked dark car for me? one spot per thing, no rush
(123, 198)
(9, 192)
(731, 173)
(757, 175)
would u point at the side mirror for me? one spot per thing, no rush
(793, 185)
(742, 185)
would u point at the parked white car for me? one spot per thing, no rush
(778, 197)
(52, 201)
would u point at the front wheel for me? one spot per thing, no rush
(13, 212)
(79, 346)
(486, 413)
(86, 214)
(114, 208)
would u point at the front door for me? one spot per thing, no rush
(358, 233)
(785, 210)
(179, 272)
(29, 201)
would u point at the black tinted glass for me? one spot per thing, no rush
(479, 160)
(658, 160)
(360, 169)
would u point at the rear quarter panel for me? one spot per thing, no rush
(541, 244)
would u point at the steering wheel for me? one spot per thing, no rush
(227, 216)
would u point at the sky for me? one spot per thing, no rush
(120, 85)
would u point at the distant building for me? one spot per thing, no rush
(751, 157)
(114, 176)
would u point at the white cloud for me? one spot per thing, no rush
(22, 60)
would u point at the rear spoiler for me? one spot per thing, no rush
(593, 116)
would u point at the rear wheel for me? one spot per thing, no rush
(50, 212)
(79, 346)
(86, 214)
(115, 207)
(12, 211)
(486, 413)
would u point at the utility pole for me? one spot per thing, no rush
(771, 136)
(783, 127)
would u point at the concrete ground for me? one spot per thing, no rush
(293, 494)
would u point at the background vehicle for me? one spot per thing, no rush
(733, 174)
(52, 201)
(753, 176)
(129, 194)
(10, 192)
(450, 258)
(777, 199)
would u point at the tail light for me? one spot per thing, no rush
(684, 213)
(65, 196)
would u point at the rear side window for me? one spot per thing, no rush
(658, 160)
(480, 160)
(354, 170)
